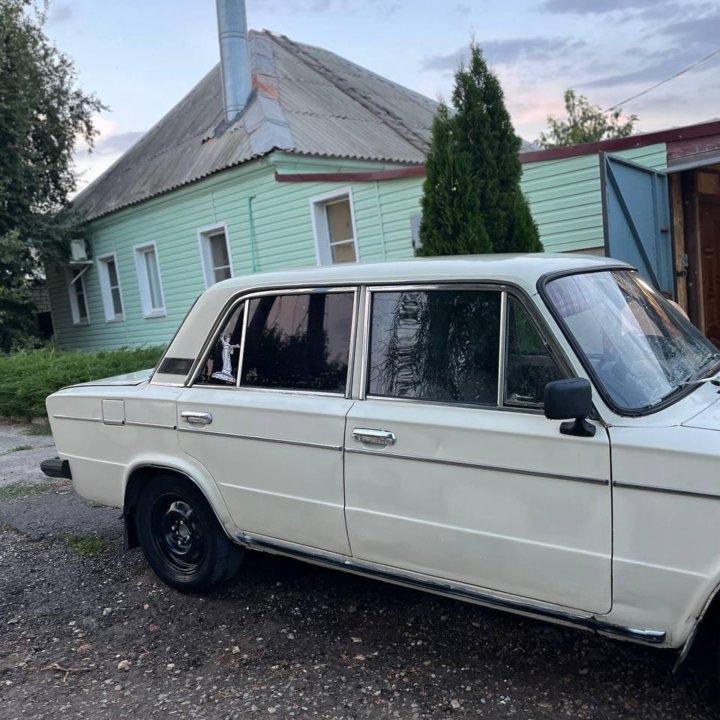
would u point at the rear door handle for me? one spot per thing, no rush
(196, 418)
(374, 437)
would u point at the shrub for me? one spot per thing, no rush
(27, 377)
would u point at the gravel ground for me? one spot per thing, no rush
(18, 463)
(95, 636)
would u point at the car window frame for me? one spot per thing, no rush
(246, 297)
(505, 290)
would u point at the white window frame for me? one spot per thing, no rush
(72, 295)
(321, 231)
(204, 234)
(139, 252)
(105, 289)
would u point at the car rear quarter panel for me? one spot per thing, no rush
(103, 451)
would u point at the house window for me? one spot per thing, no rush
(215, 253)
(334, 225)
(78, 301)
(149, 283)
(110, 288)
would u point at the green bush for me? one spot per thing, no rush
(27, 377)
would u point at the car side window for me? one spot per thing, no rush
(435, 345)
(529, 366)
(221, 366)
(298, 341)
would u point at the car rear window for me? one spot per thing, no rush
(298, 341)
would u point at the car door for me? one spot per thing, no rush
(266, 414)
(452, 471)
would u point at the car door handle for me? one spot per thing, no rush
(196, 418)
(374, 437)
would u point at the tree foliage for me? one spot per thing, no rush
(472, 202)
(585, 123)
(42, 114)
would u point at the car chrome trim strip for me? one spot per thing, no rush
(449, 589)
(476, 466)
(241, 357)
(73, 417)
(365, 349)
(501, 348)
(351, 349)
(666, 490)
(117, 424)
(257, 438)
(159, 426)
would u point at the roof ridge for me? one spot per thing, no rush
(393, 121)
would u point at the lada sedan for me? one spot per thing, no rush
(533, 433)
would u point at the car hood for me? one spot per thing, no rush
(708, 419)
(133, 378)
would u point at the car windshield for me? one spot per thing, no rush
(641, 347)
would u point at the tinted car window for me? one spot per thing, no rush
(529, 366)
(298, 342)
(221, 367)
(437, 345)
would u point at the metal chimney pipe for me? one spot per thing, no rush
(234, 56)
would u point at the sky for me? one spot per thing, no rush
(142, 56)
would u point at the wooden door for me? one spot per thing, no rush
(637, 219)
(709, 212)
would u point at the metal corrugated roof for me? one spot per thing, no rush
(305, 100)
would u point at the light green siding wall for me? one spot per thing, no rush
(565, 200)
(564, 197)
(283, 235)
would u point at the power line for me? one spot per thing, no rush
(666, 80)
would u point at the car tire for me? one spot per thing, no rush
(181, 538)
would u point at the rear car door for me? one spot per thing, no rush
(452, 471)
(265, 414)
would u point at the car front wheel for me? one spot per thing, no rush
(181, 538)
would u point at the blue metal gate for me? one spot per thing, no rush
(637, 219)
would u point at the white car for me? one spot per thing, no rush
(532, 433)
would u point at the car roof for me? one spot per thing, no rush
(518, 269)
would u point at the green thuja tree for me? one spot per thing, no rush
(452, 220)
(472, 202)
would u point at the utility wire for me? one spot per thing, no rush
(666, 80)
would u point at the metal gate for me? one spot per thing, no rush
(637, 219)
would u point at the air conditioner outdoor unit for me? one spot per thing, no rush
(78, 251)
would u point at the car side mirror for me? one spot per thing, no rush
(571, 398)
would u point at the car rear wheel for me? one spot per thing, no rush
(181, 538)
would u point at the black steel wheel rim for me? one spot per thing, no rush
(178, 534)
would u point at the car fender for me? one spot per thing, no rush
(196, 472)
